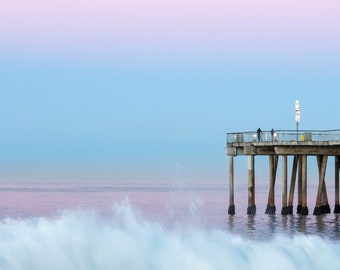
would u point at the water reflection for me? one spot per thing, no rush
(230, 222)
(284, 222)
(265, 227)
(320, 225)
(251, 225)
(335, 225)
(272, 225)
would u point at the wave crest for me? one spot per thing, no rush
(84, 240)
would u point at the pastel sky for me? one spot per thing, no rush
(138, 90)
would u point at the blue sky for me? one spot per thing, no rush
(91, 108)
(136, 122)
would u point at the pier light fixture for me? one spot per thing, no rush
(297, 118)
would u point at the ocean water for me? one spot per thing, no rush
(156, 226)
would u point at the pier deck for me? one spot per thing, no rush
(299, 144)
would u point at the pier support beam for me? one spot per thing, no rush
(321, 205)
(251, 186)
(337, 205)
(325, 208)
(271, 209)
(231, 209)
(304, 208)
(292, 185)
(285, 209)
(298, 210)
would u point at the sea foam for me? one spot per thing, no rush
(127, 240)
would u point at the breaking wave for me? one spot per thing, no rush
(127, 240)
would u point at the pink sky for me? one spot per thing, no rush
(175, 25)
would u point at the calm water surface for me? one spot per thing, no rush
(203, 206)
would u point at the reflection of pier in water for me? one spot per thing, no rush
(299, 144)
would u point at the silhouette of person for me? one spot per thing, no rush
(259, 134)
(272, 132)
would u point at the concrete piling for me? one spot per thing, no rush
(321, 199)
(299, 205)
(292, 185)
(325, 208)
(284, 210)
(336, 166)
(271, 208)
(251, 186)
(304, 208)
(231, 209)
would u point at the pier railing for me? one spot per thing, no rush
(284, 137)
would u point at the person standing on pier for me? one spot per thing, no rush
(259, 131)
(272, 133)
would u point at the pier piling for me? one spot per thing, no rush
(284, 210)
(292, 185)
(231, 209)
(299, 205)
(271, 208)
(325, 208)
(337, 205)
(321, 205)
(304, 208)
(251, 186)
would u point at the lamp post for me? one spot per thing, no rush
(297, 118)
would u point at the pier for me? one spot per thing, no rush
(279, 145)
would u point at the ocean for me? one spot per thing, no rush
(157, 226)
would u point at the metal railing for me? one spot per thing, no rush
(284, 136)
